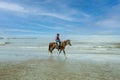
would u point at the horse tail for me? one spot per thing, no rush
(49, 48)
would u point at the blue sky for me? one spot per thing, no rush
(74, 17)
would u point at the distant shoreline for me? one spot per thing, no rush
(1, 37)
(21, 38)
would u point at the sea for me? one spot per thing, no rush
(13, 48)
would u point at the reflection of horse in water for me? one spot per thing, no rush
(63, 44)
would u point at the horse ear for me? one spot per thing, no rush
(68, 39)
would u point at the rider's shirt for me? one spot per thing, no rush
(57, 38)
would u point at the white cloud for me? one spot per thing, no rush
(51, 27)
(111, 19)
(21, 31)
(109, 23)
(106, 32)
(11, 7)
(56, 15)
(41, 26)
(64, 14)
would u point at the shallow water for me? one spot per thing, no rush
(27, 48)
(79, 67)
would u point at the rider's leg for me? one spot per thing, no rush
(57, 44)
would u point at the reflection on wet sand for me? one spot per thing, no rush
(60, 68)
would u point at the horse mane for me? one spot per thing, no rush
(66, 41)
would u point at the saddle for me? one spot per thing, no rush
(58, 46)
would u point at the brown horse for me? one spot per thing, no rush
(63, 44)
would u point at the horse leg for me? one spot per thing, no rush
(64, 52)
(60, 51)
(52, 49)
(50, 52)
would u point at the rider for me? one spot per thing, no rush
(58, 41)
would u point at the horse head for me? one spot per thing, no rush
(69, 42)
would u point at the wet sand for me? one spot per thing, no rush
(60, 68)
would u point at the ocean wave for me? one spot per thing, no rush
(31, 47)
(94, 47)
(3, 43)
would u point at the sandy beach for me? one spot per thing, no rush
(29, 59)
(60, 68)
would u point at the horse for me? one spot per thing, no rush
(53, 45)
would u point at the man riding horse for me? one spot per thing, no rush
(58, 41)
(58, 45)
